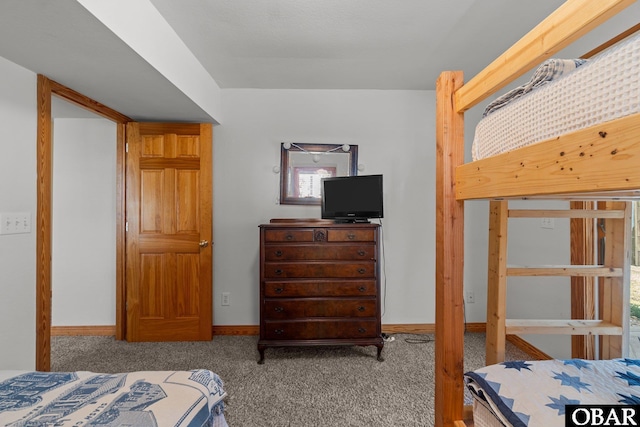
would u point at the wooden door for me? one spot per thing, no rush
(169, 219)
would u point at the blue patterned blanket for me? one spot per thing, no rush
(535, 393)
(146, 398)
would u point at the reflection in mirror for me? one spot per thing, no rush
(302, 166)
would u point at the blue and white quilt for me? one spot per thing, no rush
(522, 393)
(145, 398)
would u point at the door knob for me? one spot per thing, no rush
(204, 243)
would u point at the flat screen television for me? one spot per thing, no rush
(352, 198)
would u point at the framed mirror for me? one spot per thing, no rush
(302, 166)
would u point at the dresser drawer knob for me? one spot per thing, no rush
(278, 272)
(351, 236)
(279, 331)
(361, 252)
(278, 253)
(279, 309)
(361, 289)
(362, 270)
(289, 237)
(362, 330)
(279, 290)
(361, 308)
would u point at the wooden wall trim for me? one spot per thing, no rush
(253, 330)
(236, 330)
(120, 231)
(89, 331)
(47, 88)
(87, 103)
(43, 226)
(398, 328)
(528, 348)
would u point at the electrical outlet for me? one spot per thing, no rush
(470, 297)
(547, 223)
(226, 298)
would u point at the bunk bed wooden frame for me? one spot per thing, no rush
(608, 171)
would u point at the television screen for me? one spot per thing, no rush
(352, 198)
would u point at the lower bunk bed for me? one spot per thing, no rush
(536, 393)
(144, 398)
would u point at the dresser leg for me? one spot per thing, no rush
(380, 358)
(261, 351)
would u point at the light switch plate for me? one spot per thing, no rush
(15, 222)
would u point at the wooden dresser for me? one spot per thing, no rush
(319, 284)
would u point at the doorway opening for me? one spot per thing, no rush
(83, 271)
(47, 89)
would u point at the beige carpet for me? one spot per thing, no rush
(299, 387)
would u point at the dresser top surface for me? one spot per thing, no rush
(305, 223)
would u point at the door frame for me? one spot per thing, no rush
(47, 88)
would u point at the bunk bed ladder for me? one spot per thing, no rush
(613, 293)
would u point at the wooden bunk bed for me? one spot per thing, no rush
(596, 163)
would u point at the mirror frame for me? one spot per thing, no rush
(296, 147)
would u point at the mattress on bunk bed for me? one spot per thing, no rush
(144, 398)
(604, 88)
(534, 393)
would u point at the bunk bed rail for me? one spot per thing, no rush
(568, 23)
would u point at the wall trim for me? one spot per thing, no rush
(528, 348)
(408, 328)
(73, 331)
(47, 88)
(401, 328)
(236, 330)
(476, 327)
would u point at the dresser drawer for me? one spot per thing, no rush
(319, 329)
(319, 252)
(324, 288)
(276, 270)
(302, 235)
(350, 235)
(280, 309)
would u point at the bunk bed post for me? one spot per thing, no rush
(614, 293)
(449, 355)
(497, 282)
(582, 287)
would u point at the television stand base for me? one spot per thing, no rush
(353, 221)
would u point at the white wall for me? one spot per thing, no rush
(395, 134)
(84, 207)
(17, 194)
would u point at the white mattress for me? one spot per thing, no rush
(605, 88)
(483, 417)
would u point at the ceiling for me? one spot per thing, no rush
(275, 44)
